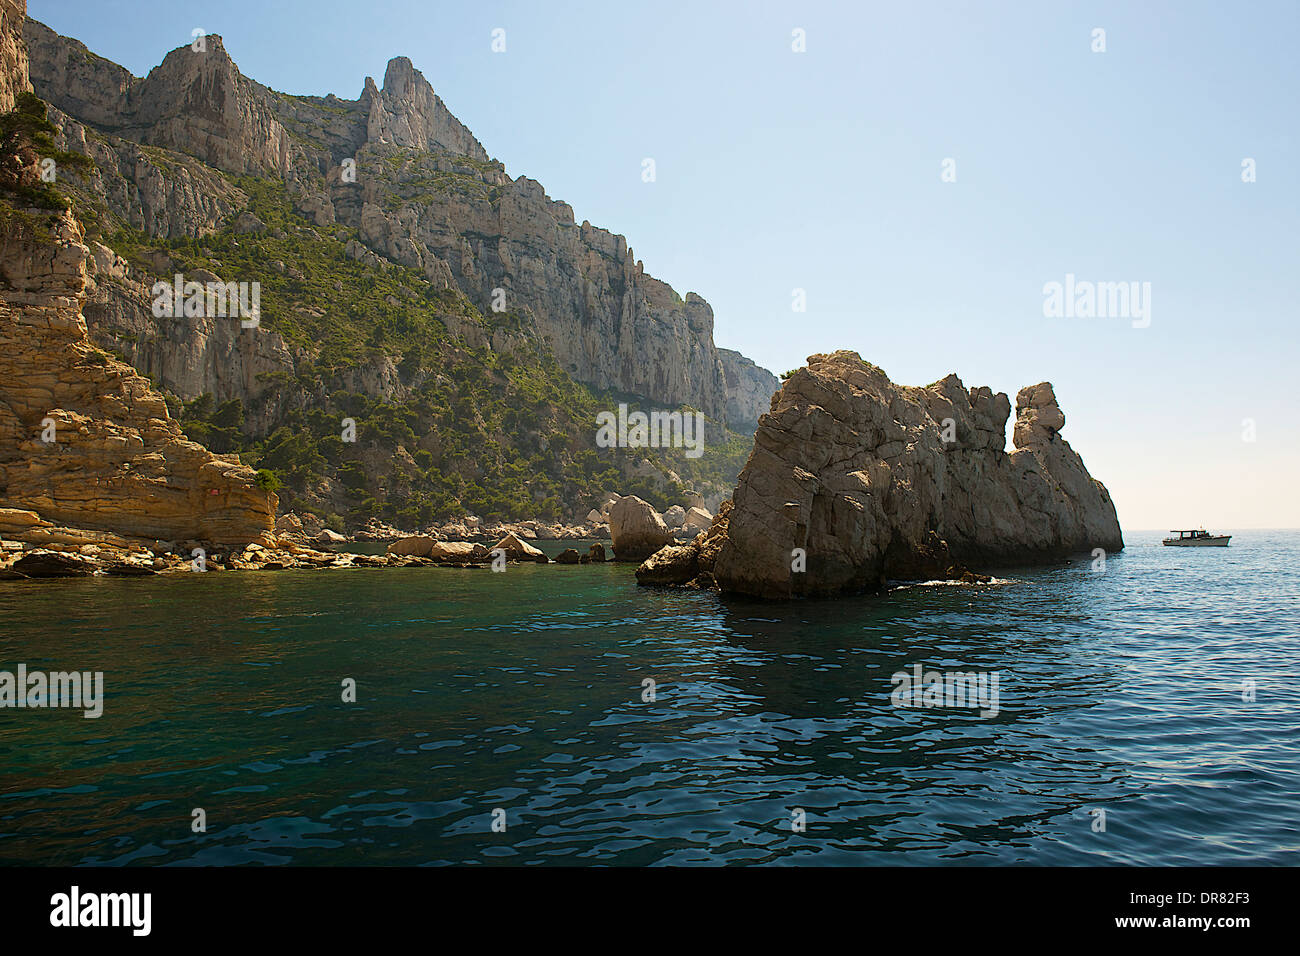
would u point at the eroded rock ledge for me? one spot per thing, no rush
(860, 481)
(88, 453)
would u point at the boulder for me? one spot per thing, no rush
(458, 552)
(675, 564)
(689, 565)
(568, 556)
(637, 529)
(135, 565)
(519, 550)
(43, 563)
(329, 538)
(597, 553)
(697, 519)
(288, 523)
(675, 516)
(417, 544)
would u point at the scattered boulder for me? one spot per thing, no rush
(637, 529)
(697, 519)
(519, 550)
(597, 553)
(675, 564)
(688, 565)
(43, 563)
(568, 556)
(419, 545)
(458, 552)
(675, 516)
(329, 538)
(134, 565)
(288, 523)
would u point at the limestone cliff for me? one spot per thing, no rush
(86, 444)
(749, 389)
(13, 53)
(873, 481)
(422, 193)
(88, 453)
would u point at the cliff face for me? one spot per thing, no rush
(749, 389)
(114, 462)
(88, 453)
(425, 195)
(876, 481)
(13, 53)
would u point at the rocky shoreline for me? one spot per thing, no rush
(32, 548)
(19, 562)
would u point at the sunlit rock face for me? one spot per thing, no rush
(419, 189)
(859, 480)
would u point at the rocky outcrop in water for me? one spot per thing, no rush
(854, 480)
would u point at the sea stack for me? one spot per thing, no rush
(854, 481)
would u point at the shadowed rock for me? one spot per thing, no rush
(637, 529)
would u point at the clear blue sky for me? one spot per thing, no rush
(778, 170)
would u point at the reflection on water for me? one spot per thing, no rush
(523, 691)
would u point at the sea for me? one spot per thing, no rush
(1147, 713)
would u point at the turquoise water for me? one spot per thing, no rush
(1120, 690)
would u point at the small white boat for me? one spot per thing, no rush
(1197, 539)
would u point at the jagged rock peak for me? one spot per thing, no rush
(407, 112)
(195, 101)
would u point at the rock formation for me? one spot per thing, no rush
(637, 529)
(88, 453)
(517, 549)
(749, 389)
(425, 194)
(857, 480)
(691, 565)
(13, 53)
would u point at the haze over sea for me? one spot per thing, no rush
(1120, 690)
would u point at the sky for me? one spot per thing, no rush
(827, 170)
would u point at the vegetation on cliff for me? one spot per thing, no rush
(479, 419)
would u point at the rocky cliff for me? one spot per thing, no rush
(854, 480)
(749, 389)
(414, 186)
(13, 53)
(88, 453)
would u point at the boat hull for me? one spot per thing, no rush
(1220, 541)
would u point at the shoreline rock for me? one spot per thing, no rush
(854, 480)
(636, 529)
